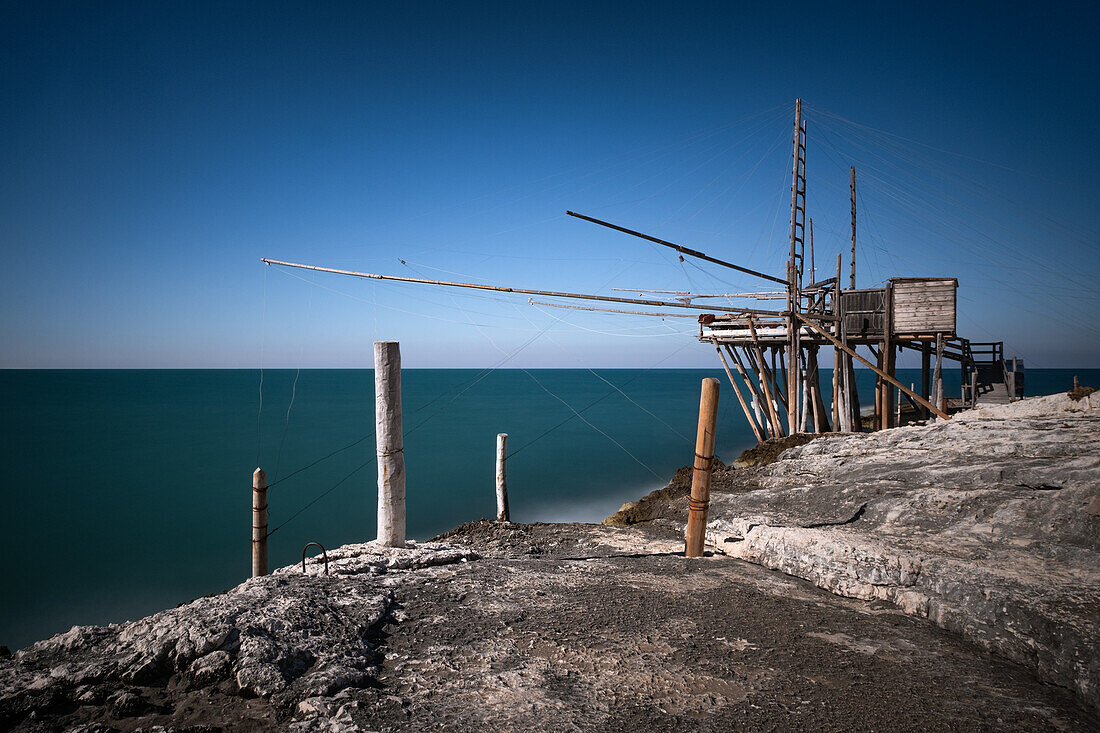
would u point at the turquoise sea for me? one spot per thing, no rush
(126, 492)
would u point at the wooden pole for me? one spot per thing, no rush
(888, 351)
(502, 481)
(887, 377)
(839, 423)
(813, 265)
(389, 443)
(740, 398)
(259, 523)
(524, 291)
(852, 280)
(974, 387)
(677, 247)
(925, 373)
(937, 376)
(777, 430)
(699, 502)
(757, 397)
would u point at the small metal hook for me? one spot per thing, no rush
(323, 552)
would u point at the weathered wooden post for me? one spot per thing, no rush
(389, 443)
(502, 480)
(699, 501)
(259, 523)
(940, 400)
(974, 387)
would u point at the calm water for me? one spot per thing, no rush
(126, 492)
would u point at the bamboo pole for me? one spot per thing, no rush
(737, 391)
(259, 523)
(502, 481)
(875, 369)
(389, 442)
(699, 501)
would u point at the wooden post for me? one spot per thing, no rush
(888, 354)
(940, 400)
(853, 393)
(1012, 386)
(925, 369)
(389, 443)
(502, 481)
(259, 523)
(974, 387)
(699, 501)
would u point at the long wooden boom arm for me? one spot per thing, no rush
(525, 291)
(677, 247)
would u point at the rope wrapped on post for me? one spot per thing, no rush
(699, 500)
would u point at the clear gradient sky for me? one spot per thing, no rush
(154, 152)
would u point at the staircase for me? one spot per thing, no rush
(989, 379)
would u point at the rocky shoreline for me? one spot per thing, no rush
(986, 526)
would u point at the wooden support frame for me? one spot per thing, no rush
(768, 429)
(740, 398)
(763, 371)
(875, 369)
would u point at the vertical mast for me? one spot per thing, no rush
(852, 283)
(798, 228)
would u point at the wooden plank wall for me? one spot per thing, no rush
(924, 306)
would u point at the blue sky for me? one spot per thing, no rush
(154, 152)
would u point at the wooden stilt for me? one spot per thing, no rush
(778, 431)
(940, 399)
(737, 391)
(757, 398)
(925, 366)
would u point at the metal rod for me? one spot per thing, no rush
(677, 247)
(524, 291)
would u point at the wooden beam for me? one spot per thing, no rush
(875, 369)
(677, 247)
